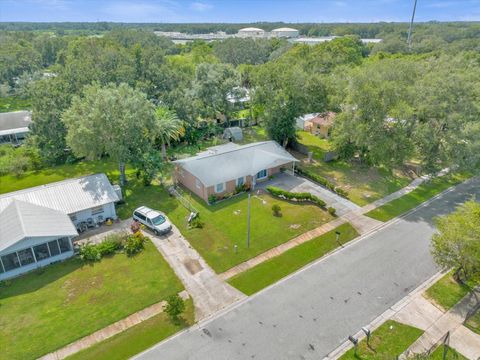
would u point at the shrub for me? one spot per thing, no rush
(276, 210)
(196, 223)
(304, 196)
(322, 181)
(212, 199)
(134, 243)
(332, 211)
(89, 252)
(108, 247)
(174, 307)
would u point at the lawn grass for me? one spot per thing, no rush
(8, 104)
(45, 310)
(225, 223)
(10, 183)
(446, 292)
(388, 341)
(138, 338)
(473, 322)
(416, 197)
(270, 271)
(363, 183)
(451, 354)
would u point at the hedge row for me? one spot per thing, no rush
(303, 196)
(322, 181)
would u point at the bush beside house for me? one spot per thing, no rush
(294, 196)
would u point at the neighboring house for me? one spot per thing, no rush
(233, 134)
(238, 95)
(220, 169)
(37, 225)
(317, 123)
(14, 126)
(322, 124)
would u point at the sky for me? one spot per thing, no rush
(237, 11)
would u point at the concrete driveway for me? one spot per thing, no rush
(298, 184)
(309, 314)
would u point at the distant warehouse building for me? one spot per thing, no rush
(285, 33)
(37, 225)
(251, 32)
(14, 126)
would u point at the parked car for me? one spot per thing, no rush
(153, 219)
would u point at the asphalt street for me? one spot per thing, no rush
(308, 315)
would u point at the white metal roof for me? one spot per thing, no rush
(14, 131)
(68, 196)
(15, 120)
(20, 220)
(235, 162)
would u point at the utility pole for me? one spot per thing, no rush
(409, 39)
(248, 222)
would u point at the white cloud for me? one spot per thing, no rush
(200, 6)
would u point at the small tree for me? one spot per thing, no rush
(174, 307)
(277, 210)
(457, 241)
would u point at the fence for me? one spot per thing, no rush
(183, 200)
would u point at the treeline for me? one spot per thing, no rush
(394, 104)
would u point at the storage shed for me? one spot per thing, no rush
(233, 134)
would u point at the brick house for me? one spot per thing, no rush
(220, 169)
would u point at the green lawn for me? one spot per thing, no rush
(254, 134)
(270, 271)
(451, 354)
(225, 223)
(446, 292)
(10, 183)
(388, 341)
(13, 104)
(364, 184)
(416, 197)
(473, 322)
(45, 310)
(138, 338)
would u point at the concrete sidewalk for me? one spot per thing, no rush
(452, 321)
(210, 294)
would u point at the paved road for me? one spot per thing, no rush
(311, 313)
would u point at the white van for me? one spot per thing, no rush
(153, 219)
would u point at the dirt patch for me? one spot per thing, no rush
(193, 266)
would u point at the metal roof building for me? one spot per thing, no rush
(14, 126)
(37, 225)
(285, 32)
(251, 32)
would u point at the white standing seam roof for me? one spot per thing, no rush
(20, 220)
(68, 196)
(235, 162)
(14, 121)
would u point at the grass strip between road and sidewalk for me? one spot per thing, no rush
(272, 270)
(138, 338)
(446, 292)
(389, 340)
(421, 194)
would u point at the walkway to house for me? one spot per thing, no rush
(210, 294)
(462, 339)
(109, 331)
(363, 224)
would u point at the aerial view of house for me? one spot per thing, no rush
(231, 180)
(37, 224)
(219, 170)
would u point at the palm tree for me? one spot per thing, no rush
(168, 127)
